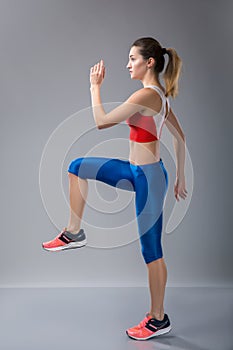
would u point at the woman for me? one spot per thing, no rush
(144, 171)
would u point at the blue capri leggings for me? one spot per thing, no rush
(150, 184)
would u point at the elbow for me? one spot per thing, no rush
(106, 125)
(99, 127)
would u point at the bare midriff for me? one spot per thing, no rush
(144, 152)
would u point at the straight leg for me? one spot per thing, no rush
(150, 194)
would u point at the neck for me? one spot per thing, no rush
(151, 82)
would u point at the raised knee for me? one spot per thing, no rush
(74, 166)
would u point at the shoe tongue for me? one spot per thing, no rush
(148, 315)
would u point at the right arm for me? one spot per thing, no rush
(175, 129)
(131, 106)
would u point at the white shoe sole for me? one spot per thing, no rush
(159, 332)
(71, 245)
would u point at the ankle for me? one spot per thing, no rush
(73, 229)
(158, 316)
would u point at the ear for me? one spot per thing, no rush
(151, 62)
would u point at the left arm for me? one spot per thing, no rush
(179, 143)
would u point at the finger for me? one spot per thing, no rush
(102, 66)
(183, 195)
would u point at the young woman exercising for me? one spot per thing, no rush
(145, 111)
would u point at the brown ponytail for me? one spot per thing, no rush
(172, 73)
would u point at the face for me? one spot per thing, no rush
(137, 65)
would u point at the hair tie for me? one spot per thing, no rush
(164, 50)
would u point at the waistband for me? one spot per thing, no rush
(148, 164)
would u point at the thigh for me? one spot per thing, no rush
(112, 171)
(150, 190)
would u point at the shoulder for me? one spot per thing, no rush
(142, 96)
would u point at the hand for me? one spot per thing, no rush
(97, 73)
(180, 188)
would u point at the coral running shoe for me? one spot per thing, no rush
(66, 240)
(141, 324)
(152, 328)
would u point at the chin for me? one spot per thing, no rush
(135, 77)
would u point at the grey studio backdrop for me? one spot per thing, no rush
(47, 49)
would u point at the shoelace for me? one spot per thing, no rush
(62, 232)
(143, 322)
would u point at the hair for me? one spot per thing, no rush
(150, 47)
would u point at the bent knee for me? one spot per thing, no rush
(74, 166)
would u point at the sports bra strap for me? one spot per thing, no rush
(163, 97)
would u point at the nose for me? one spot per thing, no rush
(128, 66)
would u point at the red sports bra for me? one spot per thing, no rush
(148, 128)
